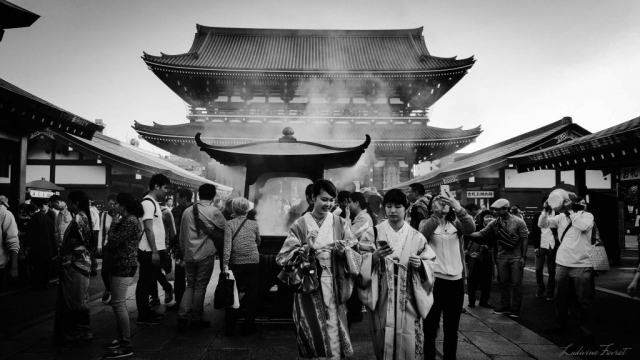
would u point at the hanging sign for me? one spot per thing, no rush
(479, 194)
(630, 173)
(43, 193)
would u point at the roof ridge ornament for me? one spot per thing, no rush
(288, 135)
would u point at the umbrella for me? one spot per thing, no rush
(44, 185)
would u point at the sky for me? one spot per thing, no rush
(537, 61)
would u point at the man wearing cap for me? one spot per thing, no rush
(511, 235)
(9, 243)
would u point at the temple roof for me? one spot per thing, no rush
(236, 133)
(43, 113)
(291, 50)
(601, 148)
(495, 156)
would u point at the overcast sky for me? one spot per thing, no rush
(537, 61)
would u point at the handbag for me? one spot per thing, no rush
(223, 296)
(599, 259)
(301, 271)
(236, 298)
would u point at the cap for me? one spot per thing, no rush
(500, 203)
(4, 200)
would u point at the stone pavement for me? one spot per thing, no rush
(482, 335)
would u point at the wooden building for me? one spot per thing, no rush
(486, 175)
(613, 153)
(103, 165)
(24, 119)
(333, 86)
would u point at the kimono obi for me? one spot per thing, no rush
(324, 258)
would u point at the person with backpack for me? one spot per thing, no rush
(511, 234)
(201, 237)
(241, 240)
(152, 247)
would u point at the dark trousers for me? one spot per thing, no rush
(104, 273)
(92, 250)
(548, 256)
(180, 282)
(354, 308)
(246, 276)
(41, 274)
(161, 278)
(510, 281)
(574, 283)
(480, 276)
(448, 297)
(146, 280)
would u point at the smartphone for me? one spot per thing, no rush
(444, 189)
(382, 243)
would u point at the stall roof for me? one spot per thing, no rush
(34, 111)
(495, 156)
(116, 152)
(615, 145)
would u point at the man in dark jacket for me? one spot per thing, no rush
(419, 208)
(41, 245)
(185, 197)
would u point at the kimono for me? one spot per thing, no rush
(320, 318)
(397, 295)
(361, 224)
(73, 318)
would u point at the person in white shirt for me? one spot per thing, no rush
(152, 247)
(545, 246)
(93, 246)
(573, 263)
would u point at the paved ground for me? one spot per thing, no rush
(482, 334)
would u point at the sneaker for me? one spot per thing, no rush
(119, 353)
(113, 345)
(502, 311)
(106, 296)
(149, 321)
(550, 298)
(486, 305)
(199, 325)
(154, 302)
(540, 293)
(168, 296)
(514, 315)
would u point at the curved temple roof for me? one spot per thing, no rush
(291, 50)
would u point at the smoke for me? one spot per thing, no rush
(279, 203)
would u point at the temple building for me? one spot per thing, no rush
(333, 86)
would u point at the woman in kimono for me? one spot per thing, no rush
(397, 281)
(320, 318)
(72, 322)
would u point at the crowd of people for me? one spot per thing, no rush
(404, 265)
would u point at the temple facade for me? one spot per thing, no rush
(333, 86)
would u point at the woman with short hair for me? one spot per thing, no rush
(444, 230)
(241, 241)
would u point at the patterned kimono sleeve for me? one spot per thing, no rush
(292, 243)
(423, 287)
(368, 291)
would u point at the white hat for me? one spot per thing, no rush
(500, 203)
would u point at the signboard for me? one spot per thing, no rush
(43, 193)
(630, 173)
(479, 194)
